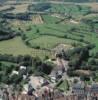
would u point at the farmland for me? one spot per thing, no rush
(17, 47)
(56, 42)
(61, 24)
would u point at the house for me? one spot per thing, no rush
(1, 94)
(23, 71)
(15, 72)
(94, 89)
(45, 83)
(53, 79)
(36, 81)
(22, 67)
(78, 88)
(94, 92)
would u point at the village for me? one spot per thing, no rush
(48, 50)
(50, 87)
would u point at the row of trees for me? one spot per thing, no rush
(39, 7)
(21, 16)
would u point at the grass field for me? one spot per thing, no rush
(5, 7)
(20, 8)
(17, 47)
(69, 9)
(49, 19)
(55, 33)
(50, 42)
(64, 86)
(50, 34)
(47, 31)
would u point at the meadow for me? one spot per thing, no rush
(46, 31)
(17, 47)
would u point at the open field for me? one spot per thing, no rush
(22, 8)
(94, 6)
(46, 31)
(64, 9)
(41, 34)
(56, 33)
(64, 86)
(17, 47)
(5, 7)
(70, 9)
(50, 42)
(37, 19)
(50, 35)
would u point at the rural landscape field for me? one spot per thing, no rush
(60, 23)
(56, 40)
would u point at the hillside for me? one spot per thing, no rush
(56, 41)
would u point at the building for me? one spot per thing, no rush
(79, 90)
(94, 92)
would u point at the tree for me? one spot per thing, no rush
(75, 63)
(9, 69)
(75, 81)
(46, 57)
(91, 61)
(23, 37)
(5, 79)
(84, 54)
(37, 31)
(30, 70)
(37, 61)
(84, 78)
(16, 79)
(45, 68)
(27, 60)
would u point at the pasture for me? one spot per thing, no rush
(46, 31)
(22, 8)
(17, 47)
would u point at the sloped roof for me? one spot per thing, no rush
(94, 88)
(79, 86)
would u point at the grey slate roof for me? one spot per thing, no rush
(94, 88)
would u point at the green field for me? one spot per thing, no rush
(67, 9)
(17, 47)
(64, 86)
(65, 26)
(56, 33)
(50, 41)
(50, 35)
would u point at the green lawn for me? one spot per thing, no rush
(64, 86)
